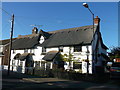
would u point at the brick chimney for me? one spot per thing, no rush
(34, 30)
(96, 20)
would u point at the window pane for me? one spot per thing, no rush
(61, 49)
(77, 65)
(43, 49)
(26, 51)
(77, 48)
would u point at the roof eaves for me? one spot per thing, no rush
(81, 44)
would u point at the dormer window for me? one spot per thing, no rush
(41, 39)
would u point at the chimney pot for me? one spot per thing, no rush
(34, 30)
(96, 20)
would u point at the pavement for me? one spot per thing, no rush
(17, 81)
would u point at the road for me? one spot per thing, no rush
(17, 81)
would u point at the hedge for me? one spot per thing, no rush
(69, 75)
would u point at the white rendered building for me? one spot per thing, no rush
(80, 48)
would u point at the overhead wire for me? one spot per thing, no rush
(20, 25)
(6, 25)
(6, 12)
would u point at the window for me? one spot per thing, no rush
(77, 48)
(61, 49)
(41, 39)
(13, 62)
(26, 51)
(77, 65)
(14, 51)
(21, 63)
(43, 65)
(32, 50)
(48, 64)
(43, 49)
(37, 64)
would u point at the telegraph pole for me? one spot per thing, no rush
(10, 47)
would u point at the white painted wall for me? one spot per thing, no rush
(15, 52)
(1, 48)
(52, 49)
(77, 56)
(13, 62)
(37, 54)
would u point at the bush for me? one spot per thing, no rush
(43, 73)
(70, 75)
(79, 76)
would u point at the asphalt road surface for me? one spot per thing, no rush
(17, 81)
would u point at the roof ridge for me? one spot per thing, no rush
(71, 29)
(27, 36)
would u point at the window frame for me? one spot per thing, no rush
(14, 51)
(61, 49)
(43, 49)
(77, 49)
(25, 50)
(77, 64)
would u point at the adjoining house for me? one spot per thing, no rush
(76, 48)
(1, 58)
(4, 51)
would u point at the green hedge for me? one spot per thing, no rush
(79, 76)
(70, 75)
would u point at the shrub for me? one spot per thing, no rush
(71, 75)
